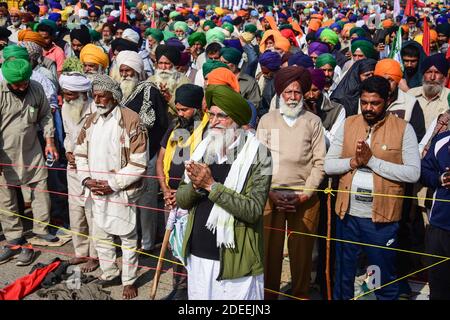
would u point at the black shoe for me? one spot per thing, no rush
(25, 257)
(7, 254)
(109, 283)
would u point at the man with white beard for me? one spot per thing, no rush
(77, 107)
(432, 95)
(111, 156)
(16, 25)
(296, 139)
(225, 188)
(144, 98)
(166, 77)
(94, 60)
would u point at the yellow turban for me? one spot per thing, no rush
(94, 54)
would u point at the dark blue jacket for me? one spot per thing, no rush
(433, 166)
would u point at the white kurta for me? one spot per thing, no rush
(111, 215)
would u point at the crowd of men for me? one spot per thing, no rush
(239, 118)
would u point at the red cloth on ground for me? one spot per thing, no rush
(27, 284)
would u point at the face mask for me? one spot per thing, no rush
(132, 16)
(84, 21)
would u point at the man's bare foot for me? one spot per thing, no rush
(78, 260)
(90, 266)
(129, 292)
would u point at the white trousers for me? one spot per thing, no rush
(202, 283)
(107, 255)
(81, 222)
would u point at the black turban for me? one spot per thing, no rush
(81, 34)
(121, 44)
(189, 95)
(284, 77)
(171, 53)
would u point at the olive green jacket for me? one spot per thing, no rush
(247, 258)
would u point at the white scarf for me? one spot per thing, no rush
(220, 220)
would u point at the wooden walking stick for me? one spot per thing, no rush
(328, 249)
(160, 263)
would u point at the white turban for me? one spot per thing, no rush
(75, 82)
(83, 13)
(130, 35)
(115, 13)
(131, 59)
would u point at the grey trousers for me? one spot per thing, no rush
(40, 204)
(149, 218)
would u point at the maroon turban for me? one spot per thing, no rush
(284, 77)
(317, 78)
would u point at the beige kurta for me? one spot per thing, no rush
(72, 131)
(19, 124)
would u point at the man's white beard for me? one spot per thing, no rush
(221, 139)
(127, 85)
(166, 77)
(291, 108)
(102, 109)
(432, 88)
(74, 109)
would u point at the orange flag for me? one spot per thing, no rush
(426, 36)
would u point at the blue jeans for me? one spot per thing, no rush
(364, 230)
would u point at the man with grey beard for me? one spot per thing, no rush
(77, 107)
(166, 77)
(144, 98)
(225, 188)
(432, 95)
(296, 139)
(111, 156)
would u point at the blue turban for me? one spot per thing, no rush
(96, 10)
(337, 26)
(234, 43)
(438, 60)
(318, 32)
(271, 60)
(32, 7)
(55, 5)
(302, 60)
(282, 16)
(227, 19)
(54, 16)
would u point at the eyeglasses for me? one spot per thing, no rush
(220, 116)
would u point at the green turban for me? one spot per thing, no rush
(210, 24)
(197, 37)
(341, 23)
(228, 26)
(230, 102)
(284, 26)
(14, 51)
(329, 36)
(180, 25)
(50, 23)
(215, 35)
(231, 55)
(155, 34)
(168, 35)
(250, 28)
(72, 64)
(173, 14)
(325, 58)
(95, 35)
(358, 31)
(210, 65)
(366, 47)
(16, 70)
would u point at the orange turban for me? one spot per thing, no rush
(94, 54)
(271, 21)
(295, 26)
(241, 13)
(386, 24)
(224, 76)
(405, 28)
(327, 23)
(346, 29)
(28, 35)
(280, 41)
(433, 35)
(389, 67)
(317, 16)
(314, 24)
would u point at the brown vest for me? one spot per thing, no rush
(386, 144)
